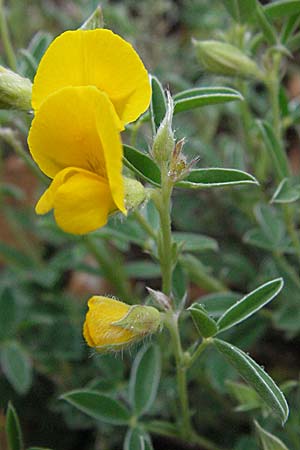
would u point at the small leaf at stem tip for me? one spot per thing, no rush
(206, 326)
(216, 177)
(256, 377)
(250, 304)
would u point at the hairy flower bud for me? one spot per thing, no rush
(15, 91)
(225, 59)
(134, 193)
(111, 325)
(164, 140)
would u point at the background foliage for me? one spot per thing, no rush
(238, 239)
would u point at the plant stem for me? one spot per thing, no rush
(171, 323)
(144, 224)
(163, 204)
(8, 48)
(274, 86)
(200, 349)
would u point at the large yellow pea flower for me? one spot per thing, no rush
(75, 139)
(97, 58)
(112, 325)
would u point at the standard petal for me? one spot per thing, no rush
(99, 58)
(82, 203)
(64, 131)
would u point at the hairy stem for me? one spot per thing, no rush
(163, 204)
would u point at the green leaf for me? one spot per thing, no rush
(206, 326)
(142, 165)
(144, 379)
(268, 440)
(136, 439)
(193, 98)
(287, 192)
(216, 177)
(192, 242)
(13, 429)
(142, 270)
(282, 8)
(99, 406)
(217, 303)
(250, 304)
(275, 149)
(16, 366)
(158, 106)
(256, 377)
(240, 10)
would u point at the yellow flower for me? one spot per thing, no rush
(97, 58)
(112, 325)
(75, 139)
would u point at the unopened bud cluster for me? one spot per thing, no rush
(166, 151)
(164, 140)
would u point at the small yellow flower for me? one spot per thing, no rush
(112, 325)
(75, 139)
(97, 58)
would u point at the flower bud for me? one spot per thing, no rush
(225, 59)
(112, 325)
(134, 193)
(15, 91)
(164, 140)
